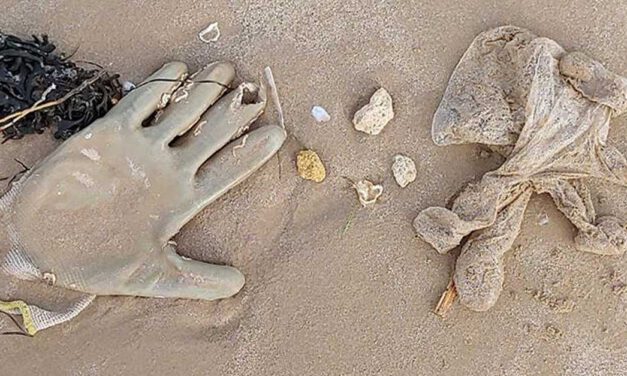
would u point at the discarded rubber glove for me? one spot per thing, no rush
(547, 112)
(97, 215)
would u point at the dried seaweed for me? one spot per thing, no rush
(49, 90)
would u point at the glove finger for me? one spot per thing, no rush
(229, 167)
(228, 118)
(172, 276)
(140, 103)
(191, 100)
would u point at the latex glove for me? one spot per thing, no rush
(97, 215)
(547, 112)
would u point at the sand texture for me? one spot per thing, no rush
(333, 288)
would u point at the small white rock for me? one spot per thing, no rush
(404, 170)
(543, 219)
(127, 87)
(368, 192)
(320, 114)
(374, 116)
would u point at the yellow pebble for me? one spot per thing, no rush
(310, 166)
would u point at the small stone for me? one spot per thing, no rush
(404, 170)
(310, 166)
(368, 192)
(320, 114)
(374, 116)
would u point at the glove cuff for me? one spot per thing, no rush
(5, 207)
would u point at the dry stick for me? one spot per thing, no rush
(274, 94)
(21, 114)
(38, 106)
(446, 300)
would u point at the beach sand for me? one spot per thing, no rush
(333, 288)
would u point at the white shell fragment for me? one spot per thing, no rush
(127, 87)
(368, 192)
(404, 170)
(320, 114)
(374, 116)
(210, 34)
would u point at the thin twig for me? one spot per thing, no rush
(446, 300)
(89, 63)
(25, 169)
(24, 166)
(20, 114)
(38, 106)
(15, 334)
(184, 81)
(72, 54)
(275, 95)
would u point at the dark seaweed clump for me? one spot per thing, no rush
(29, 68)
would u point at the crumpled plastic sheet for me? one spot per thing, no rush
(547, 112)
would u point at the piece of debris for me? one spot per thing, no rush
(240, 146)
(165, 100)
(368, 192)
(556, 304)
(179, 95)
(310, 166)
(484, 153)
(210, 34)
(49, 278)
(374, 116)
(404, 170)
(485, 218)
(614, 281)
(91, 153)
(127, 87)
(446, 300)
(552, 333)
(320, 114)
(543, 219)
(41, 89)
